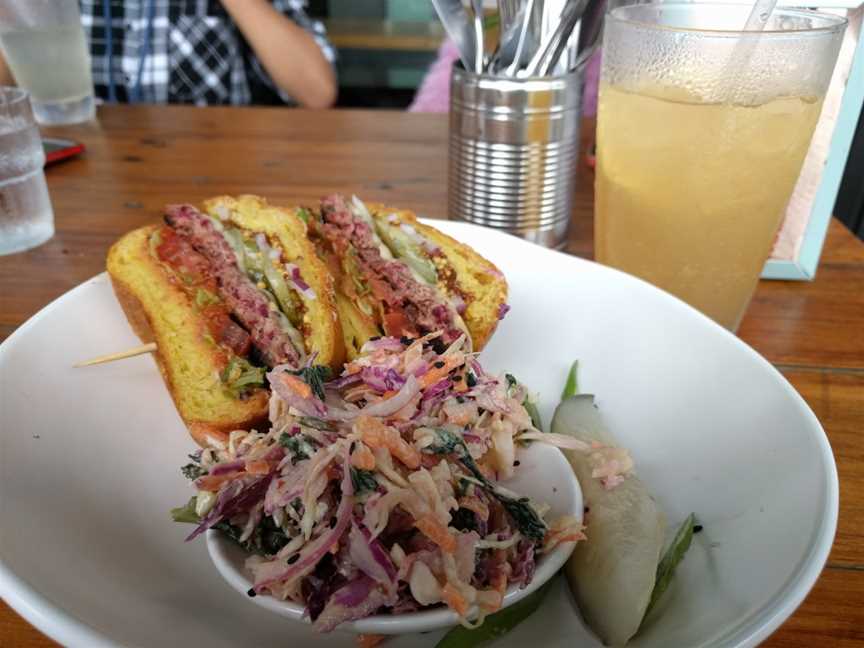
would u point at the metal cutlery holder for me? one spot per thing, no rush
(513, 156)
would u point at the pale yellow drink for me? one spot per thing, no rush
(689, 195)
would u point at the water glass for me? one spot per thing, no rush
(44, 44)
(26, 217)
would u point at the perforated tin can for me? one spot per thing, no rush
(513, 153)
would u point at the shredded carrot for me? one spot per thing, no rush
(553, 539)
(500, 583)
(454, 599)
(372, 431)
(437, 533)
(257, 467)
(377, 435)
(488, 471)
(363, 458)
(437, 373)
(352, 368)
(213, 482)
(460, 415)
(370, 640)
(404, 451)
(296, 385)
(491, 601)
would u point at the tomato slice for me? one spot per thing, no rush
(194, 270)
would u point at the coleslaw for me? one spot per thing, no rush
(377, 491)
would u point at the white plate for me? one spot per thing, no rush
(544, 475)
(89, 467)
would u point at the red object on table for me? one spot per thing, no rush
(57, 150)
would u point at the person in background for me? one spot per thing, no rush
(207, 52)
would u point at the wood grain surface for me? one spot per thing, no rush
(139, 158)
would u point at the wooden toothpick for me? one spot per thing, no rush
(111, 357)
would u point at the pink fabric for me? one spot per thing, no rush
(434, 92)
(592, 81)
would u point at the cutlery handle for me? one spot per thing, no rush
(549, 53)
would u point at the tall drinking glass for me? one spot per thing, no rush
(26, 217)
(702, 130)
(44, 44)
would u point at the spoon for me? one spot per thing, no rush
(479, 53)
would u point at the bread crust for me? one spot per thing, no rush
(133, 247)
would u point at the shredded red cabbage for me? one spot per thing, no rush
(343, 381)
(278, 570)
(237, 497)
(311, 406)
(382, 380)
(227, 467)
(370, 557)
(354, 600)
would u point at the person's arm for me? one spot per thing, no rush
(6, 77)
(290, 55)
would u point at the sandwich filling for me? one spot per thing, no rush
(390, 272)
(247, 296)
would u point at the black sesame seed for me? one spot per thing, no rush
(353, 447)
(517, 462)
(697, 528)
(439, 346)
(459, 399)
(587, 509)
(293, 559)
(374, 338)
(456, 379)
(439, 364)
(470, 379)
(405, 340)
(252, 593)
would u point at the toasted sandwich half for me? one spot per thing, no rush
(397, 276)
(227, 292)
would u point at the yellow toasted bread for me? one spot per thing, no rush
(164, 306)
(161, 311)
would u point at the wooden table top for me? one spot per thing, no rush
(140, 158)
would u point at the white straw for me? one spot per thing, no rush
(746, 46)
(759, 15)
